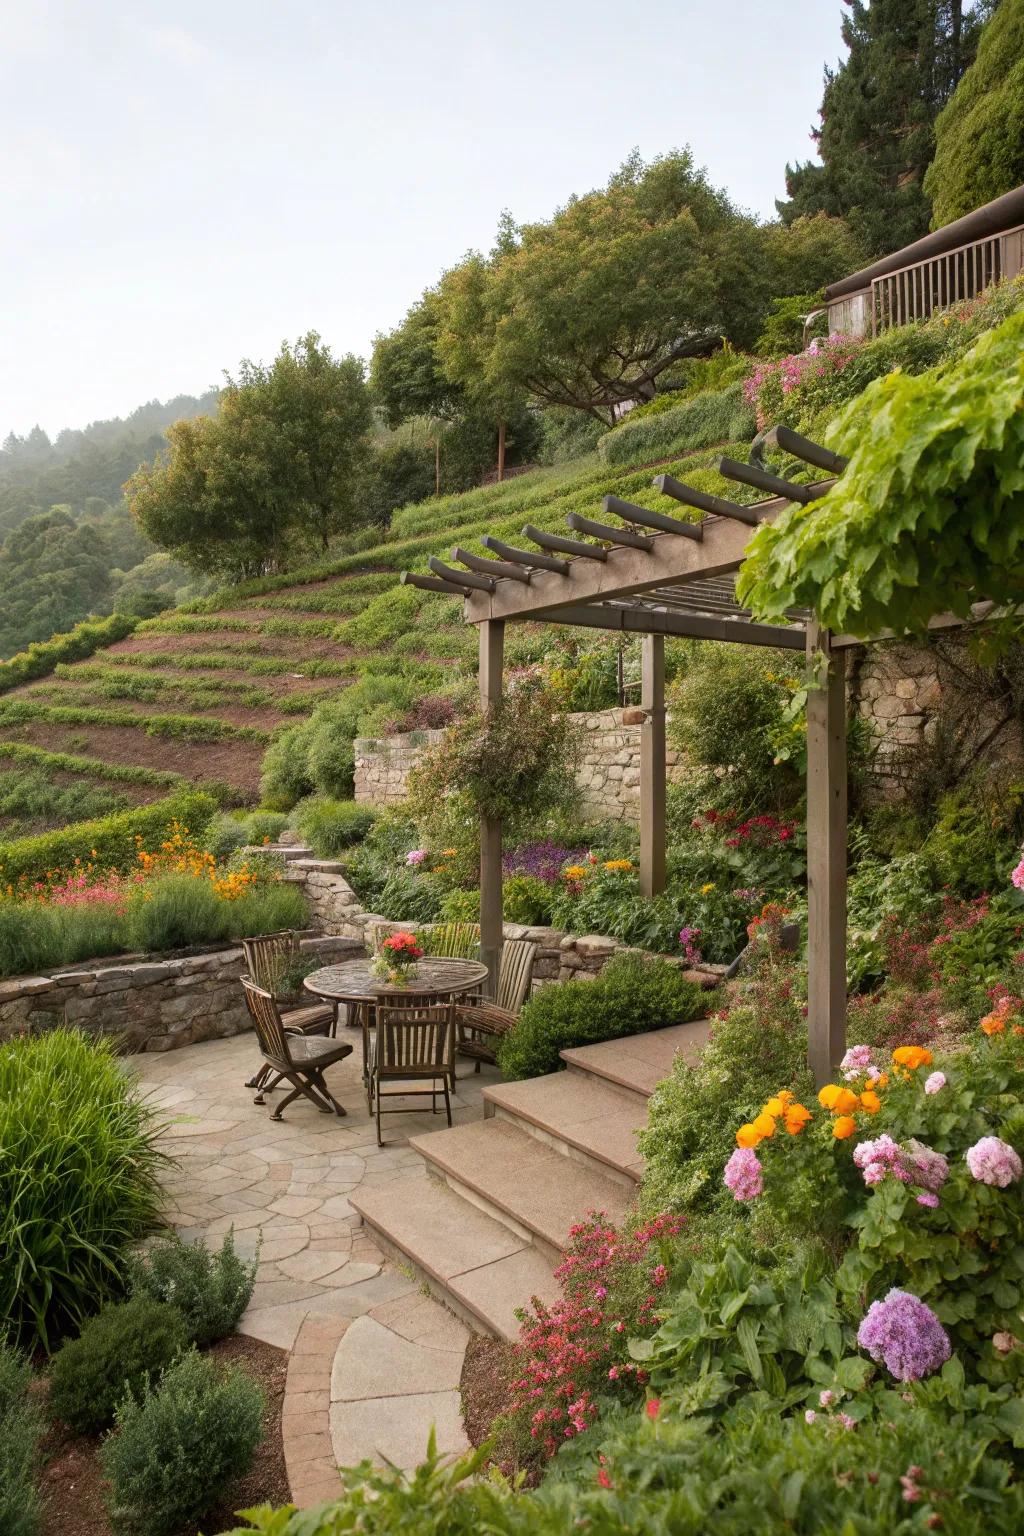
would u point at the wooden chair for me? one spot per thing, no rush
(268, 958)
(300, 1059)
(453, 941)
(413, 1045)
(481, 1021)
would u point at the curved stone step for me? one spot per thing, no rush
(586, 1117)
(639, 1063)
(515, 1177)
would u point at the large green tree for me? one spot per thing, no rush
(979, 136)
(590, 308)
(877, 131)
(54, 570)
(280, 466)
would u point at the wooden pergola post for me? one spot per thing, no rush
(492, 652)
(826, 858)
(652, 766)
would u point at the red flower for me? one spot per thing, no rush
(653, 1407)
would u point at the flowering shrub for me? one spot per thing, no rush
(543, 860)
(574, 1353)
(906, 1335)
(772, 383)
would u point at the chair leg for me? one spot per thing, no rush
(478, 1064)
(447, 1100)
(380, 1139)
(306, 1089)
(259, 1078)
(318, 1079)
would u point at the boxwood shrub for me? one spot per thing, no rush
(117, 1352)
(631, 995)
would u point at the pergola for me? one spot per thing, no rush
(658, 575)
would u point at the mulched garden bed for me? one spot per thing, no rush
(485, 1374)
(72, 1478)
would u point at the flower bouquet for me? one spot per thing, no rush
(395, 960)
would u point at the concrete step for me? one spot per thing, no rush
(476, 1265)
(640, 1062)
(580, 1115)
(520, 1181)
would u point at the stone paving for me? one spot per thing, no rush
(374, 1361)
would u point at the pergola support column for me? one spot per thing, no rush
(826, 857)
(492, 652)
(652, 766)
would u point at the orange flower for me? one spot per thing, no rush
(828, 1095)
(844, 1126)
(912, 1056)
(992, 1024)
(846, 1102)
(796, 1118)
(881, 1081)
(764, 1125)
(775, 1107)
(746, 1136)
(784, 1096)
(871, 1102)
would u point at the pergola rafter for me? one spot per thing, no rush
(658, 575)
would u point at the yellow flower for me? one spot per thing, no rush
(706, 888)
(843, 1127)
(449, 853)
(774, 1107)
(747, 1136)
(619, 865)
(764, 1125)
(912, 1056)
(828, 1095)
(576, 872)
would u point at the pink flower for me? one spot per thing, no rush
(1018, 876)
(826, 1399)
(936, 1081)
(743, 1174)
(416, 856)
(810, 1415)
(846, 1421)
(928, 1199)
(992, 1161)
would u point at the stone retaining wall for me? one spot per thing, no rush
(608, 774)
(153, 1004)
(561, 956)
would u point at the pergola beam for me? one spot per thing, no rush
(696, 626)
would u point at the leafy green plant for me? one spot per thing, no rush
(209, 1290)
(119, 1351)
(41, 657)
(179, 1446)
(525, 899)
(21, 1430)
(79, 1181)
(331, 826)
(181, 911)
(925, 517)
(93, 767)
(631, 995)
(716, 417)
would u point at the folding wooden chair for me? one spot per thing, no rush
(268, 958)
(300, 1059)
(481, 1021)
(413, 1045)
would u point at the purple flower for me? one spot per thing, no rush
(906, 1335)
(929, 1200)
(913, 1164)
(544, 860)
(415, 857)
(992, 1161)
(688, 938)
(743, 1174)
(857, 1061)
(936, 1081)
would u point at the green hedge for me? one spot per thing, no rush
(110, 841)
(91, 767)
(42, 656)
(700, 423)
(188, 727)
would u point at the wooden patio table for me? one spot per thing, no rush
(435, 980)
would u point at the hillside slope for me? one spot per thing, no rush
(198, 692)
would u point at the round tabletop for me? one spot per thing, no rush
(352, 981)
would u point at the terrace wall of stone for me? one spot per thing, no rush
(608, 776)
(561, 956)
(155, 1003)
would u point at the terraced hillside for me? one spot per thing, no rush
(198, 693)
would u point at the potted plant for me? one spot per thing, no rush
(395, 960)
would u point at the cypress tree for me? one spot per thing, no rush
(877, 131)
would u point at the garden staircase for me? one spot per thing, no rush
(484, 1221)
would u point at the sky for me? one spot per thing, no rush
(185, 185)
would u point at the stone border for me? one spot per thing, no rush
(154, 1004)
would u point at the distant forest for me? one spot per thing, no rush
(68, 546)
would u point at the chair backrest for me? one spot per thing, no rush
(452, 941)
(416, 1039)
(267, 1022)
(269, 956)
(515, 973)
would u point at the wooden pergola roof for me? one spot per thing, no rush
(655, 573)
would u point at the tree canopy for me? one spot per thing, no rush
(877, 130)
(279, 467)
(54, 570)
(979, 135)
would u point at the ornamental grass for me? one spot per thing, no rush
(79, 1182)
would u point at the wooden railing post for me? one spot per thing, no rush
(492, 650)
(652, 766)
(826, 857)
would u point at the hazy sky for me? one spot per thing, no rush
(184, 185)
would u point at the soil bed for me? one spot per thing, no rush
(485, 1374)
(72, 1479)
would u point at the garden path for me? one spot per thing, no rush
(373, 1360)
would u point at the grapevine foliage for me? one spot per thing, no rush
(927, 518)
